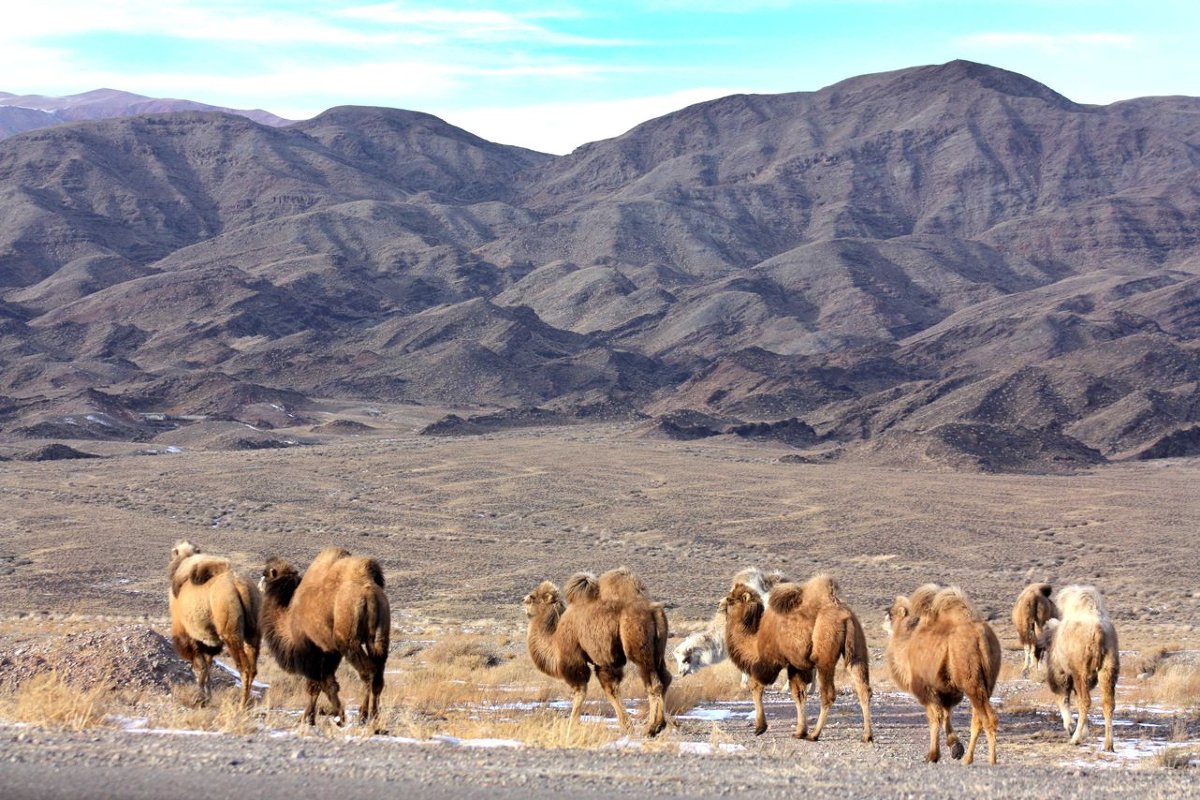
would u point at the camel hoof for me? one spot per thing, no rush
(759, 730)
(868, 738)
(957, 750)
(932, 758)
(812, 737)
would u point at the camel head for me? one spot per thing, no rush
(183, 549)
(544, 596)
(899, 611)
(279, 580)
(743, 603)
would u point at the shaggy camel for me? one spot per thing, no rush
(211, 606)
(802, 627)
(707, 647)
(1030, 613)
(338, 608)
(1081, 650)
(941, 650)
(608, 622)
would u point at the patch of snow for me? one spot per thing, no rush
(99, 420)
(480, 743)
(173, 449)
(706, 749)
(237, 676)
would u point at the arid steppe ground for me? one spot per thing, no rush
(465, 526)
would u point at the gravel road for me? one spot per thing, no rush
(114, 764)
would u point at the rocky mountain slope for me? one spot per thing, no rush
(19, 113)
(945, 264)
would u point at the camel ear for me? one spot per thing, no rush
(746, 598)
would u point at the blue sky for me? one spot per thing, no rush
(552, 75)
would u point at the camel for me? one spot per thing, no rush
(338, 608)
(707, 647)
(607, 622)
(212, 607)
(802, 628)
(940, 650)
(1030, 613)
(1081, 650)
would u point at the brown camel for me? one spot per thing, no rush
(802, 627)
(941, 650)
(338, 608)
(707, 647)
(211, 606)
(1081, 650)
(608, 623)
(1030, 613)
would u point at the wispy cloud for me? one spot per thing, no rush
(1049, 43)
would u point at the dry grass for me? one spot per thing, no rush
(49, 701)
(1178, 757)
(1176, 685)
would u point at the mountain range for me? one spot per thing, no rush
(946, 265)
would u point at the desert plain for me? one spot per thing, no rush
(464, 526)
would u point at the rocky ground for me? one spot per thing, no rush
(465, 526)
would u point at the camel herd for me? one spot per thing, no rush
(939, 648)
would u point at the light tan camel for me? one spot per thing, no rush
(212, 607)
(1081, 650)
(338, 608)
(608, 623)
(1030, 613)
(802, 628)
(941, 650)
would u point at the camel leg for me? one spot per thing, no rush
(580, 692)
(370, 672)
(610, 682)
(1028, 661)
(862, 687)
(956, 748)
(989, 725)
(249, 670)
(760, 716)
(827, 692)
(310, 710)
(1108, 692)
(977, 717)
(798, 681)
(201, 665)
(331, 688)
(1064, 710)
(934, 714)
(1083, 702)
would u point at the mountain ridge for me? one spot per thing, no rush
(916, 264)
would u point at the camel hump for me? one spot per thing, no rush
(621, 584)
(1044, 589)
(786, 597)
(582, 587)
(952, 604)
(374, 571)
(773, 579)
(920, 601)
(823, 588)
(206, 569)
(1081, 601)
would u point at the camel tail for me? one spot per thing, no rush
(989, 663)
(374, 625)
(854, 651)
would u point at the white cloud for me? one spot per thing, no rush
(561, 127)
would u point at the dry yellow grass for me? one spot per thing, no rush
(1174, 685)
(49, 701)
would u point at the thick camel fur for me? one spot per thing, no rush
(212, 607)
(941, 650)
(802, 628)
(707, 647)
(338, 608)
(1030, 613)
(1081, 650)
(607, 622)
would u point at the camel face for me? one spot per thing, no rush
(543, 596)
(183, 549)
